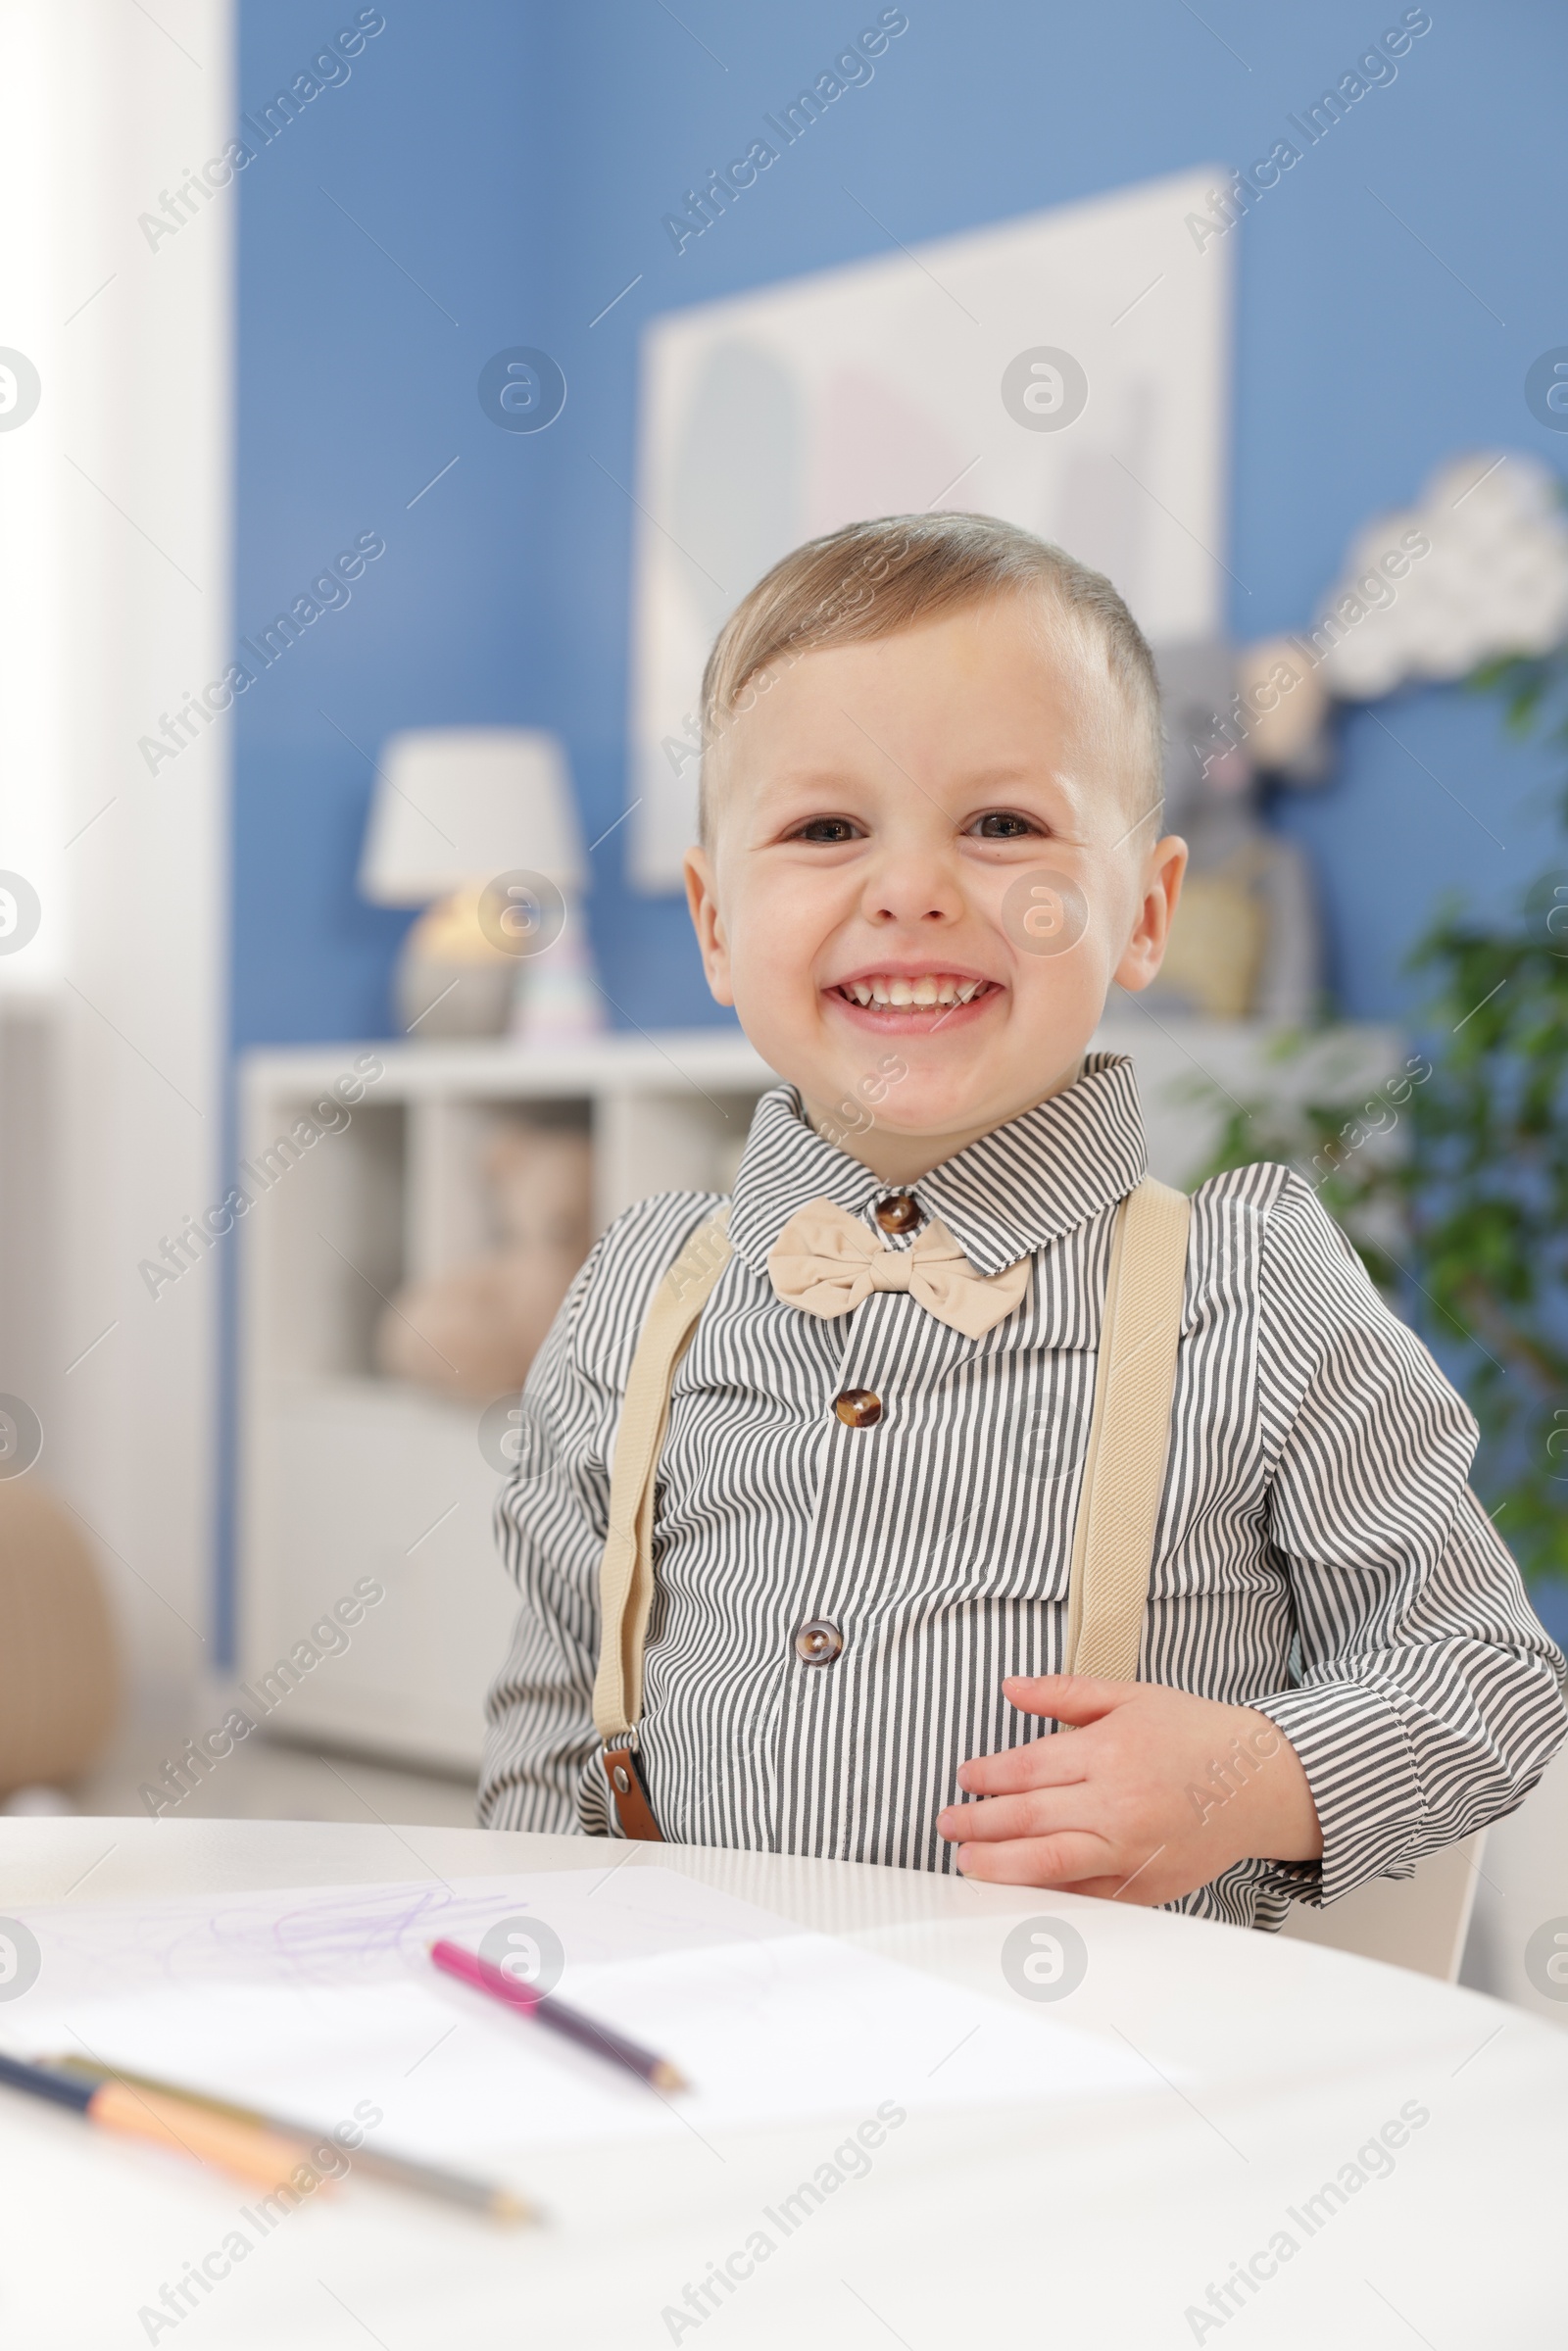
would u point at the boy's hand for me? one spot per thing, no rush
(1156, 1794)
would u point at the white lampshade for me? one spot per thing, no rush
(456, 804)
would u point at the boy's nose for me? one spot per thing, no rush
(912, 889)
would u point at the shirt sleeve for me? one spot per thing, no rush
(551, 1523)
(541, 1745)
(1429, 1700)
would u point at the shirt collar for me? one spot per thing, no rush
(1001, 1197)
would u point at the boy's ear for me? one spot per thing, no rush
(1145, 951)
(702, 897)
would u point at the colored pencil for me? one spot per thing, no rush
(398, 2170)
(546, 2009)
(253, 2153)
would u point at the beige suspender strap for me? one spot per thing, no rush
(1129, 1434)
(626, 1574)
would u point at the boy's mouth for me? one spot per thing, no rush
(926, 1000)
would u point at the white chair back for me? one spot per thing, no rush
(1418, 1923)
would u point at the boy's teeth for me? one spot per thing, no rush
(931, 988)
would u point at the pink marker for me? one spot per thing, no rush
(546, 2009)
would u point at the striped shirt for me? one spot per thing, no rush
(1318, 1554)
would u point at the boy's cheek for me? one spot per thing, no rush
(781, 931)
(1071, 985)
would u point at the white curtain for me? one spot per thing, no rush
(115, 552)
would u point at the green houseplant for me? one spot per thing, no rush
(1467, 1218)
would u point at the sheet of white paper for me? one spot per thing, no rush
(318, 2000)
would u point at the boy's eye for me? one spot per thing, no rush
(1003, 825)
(828, 831)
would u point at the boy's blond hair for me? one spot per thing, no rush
(873, 579)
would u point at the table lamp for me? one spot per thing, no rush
(477, 825)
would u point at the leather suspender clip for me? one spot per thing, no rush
(628, 1792)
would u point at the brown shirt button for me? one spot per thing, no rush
(858, 1409)
(818, 1642)
(899, 1212)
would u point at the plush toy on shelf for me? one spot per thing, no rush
(472, 1332)
(1247, 938)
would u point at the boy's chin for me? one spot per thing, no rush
(936, 1107)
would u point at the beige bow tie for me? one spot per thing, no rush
(826, 1261)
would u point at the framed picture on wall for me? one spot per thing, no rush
(1068, 372)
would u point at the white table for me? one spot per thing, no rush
(1099, 2226)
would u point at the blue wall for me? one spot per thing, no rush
(511, 165)
(506, 168)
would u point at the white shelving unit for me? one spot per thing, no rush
(344, 1473)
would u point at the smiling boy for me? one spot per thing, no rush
(930, 843)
